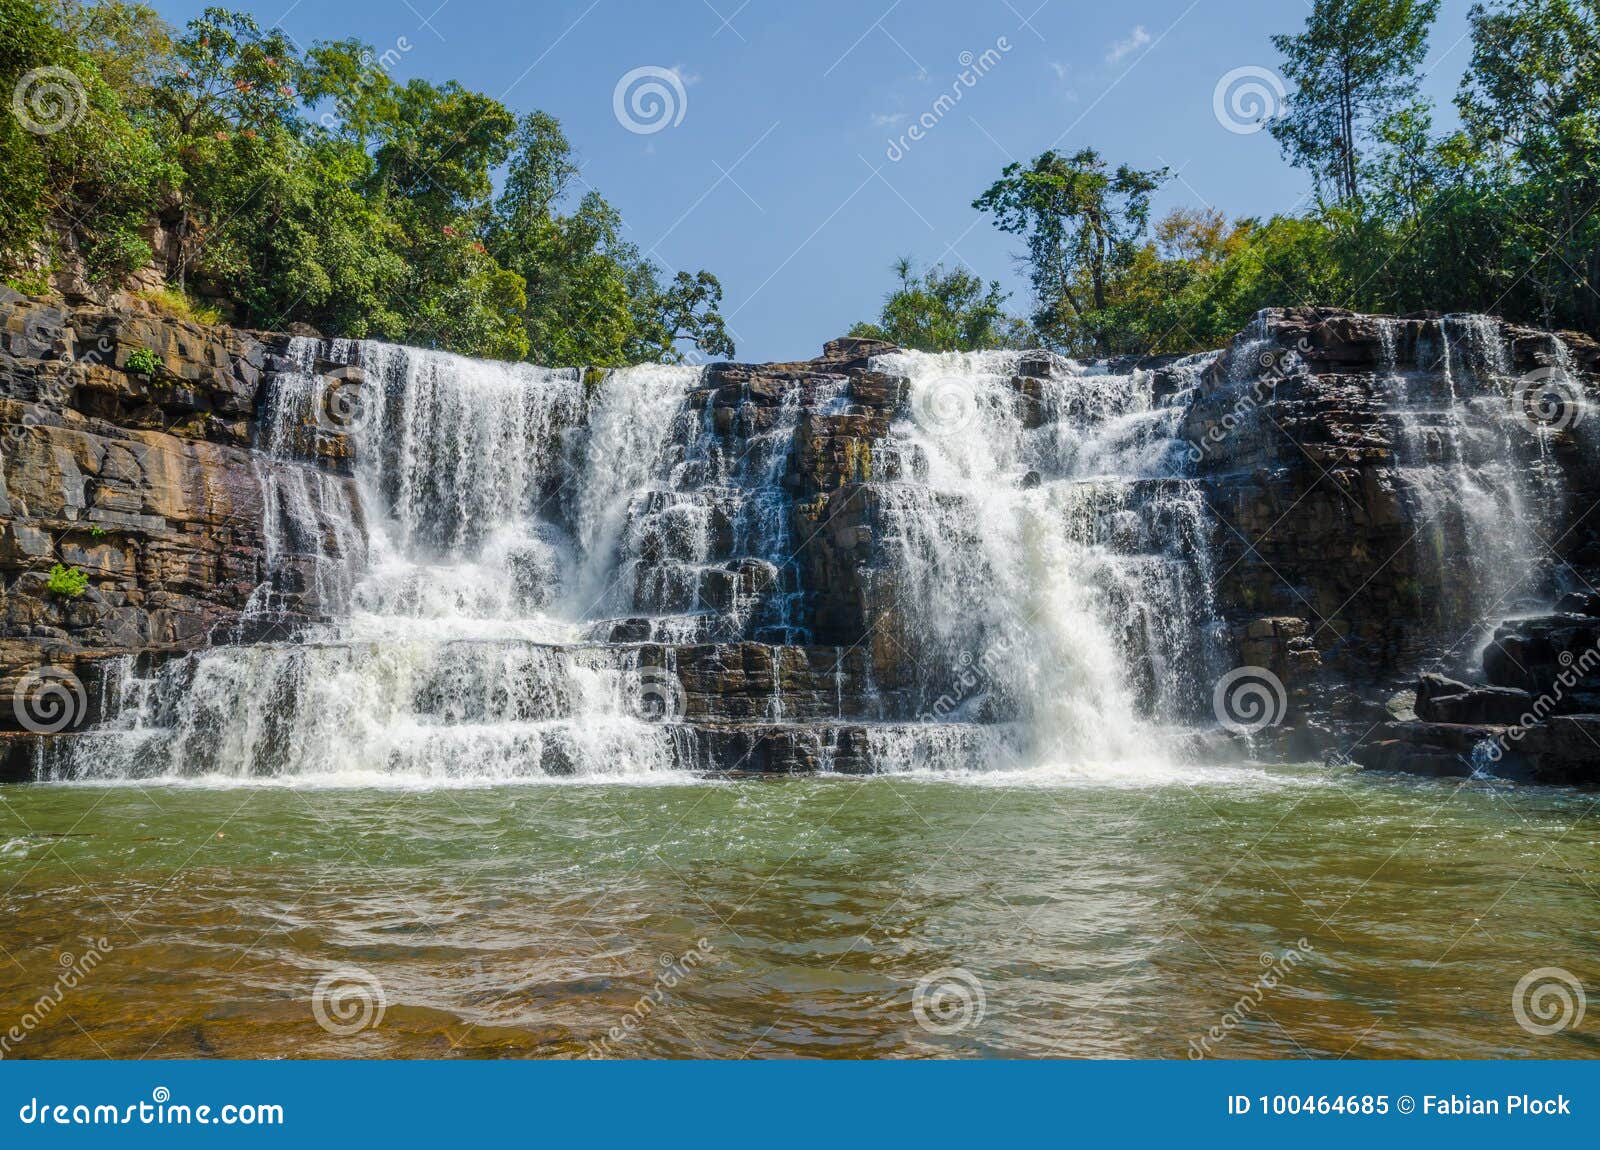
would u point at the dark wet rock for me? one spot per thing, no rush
(1561, 751)
(1554, 655)
(1580, 603)
(153, 484)
(1536, 724)
(1313, 468)
(1442, 700)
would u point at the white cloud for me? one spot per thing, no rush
(1063, 75)
(886, 119)
(1137, 39)
(687, 78)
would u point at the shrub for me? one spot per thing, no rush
(67, 582)
(143, 361)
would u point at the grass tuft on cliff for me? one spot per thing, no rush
(180, 305)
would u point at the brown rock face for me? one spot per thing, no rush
(1326, 446)
(146, 482)
(1339, 450)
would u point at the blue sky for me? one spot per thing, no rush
(773, 169)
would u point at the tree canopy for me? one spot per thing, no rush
(943, 311)
(1502, 215)
(312, 187)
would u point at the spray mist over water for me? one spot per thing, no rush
(475, 601)
(483, 512)
(1046, 531)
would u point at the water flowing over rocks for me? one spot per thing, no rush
(351, 561)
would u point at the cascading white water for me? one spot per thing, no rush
(1051, 550)
(1478, 464)
(623, 456)
(477, 599)
(457, 651)
(707, 555)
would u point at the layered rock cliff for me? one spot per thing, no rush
(1342, 501)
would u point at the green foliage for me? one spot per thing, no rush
(170, 301)
(67, 582)
(1531, 150)
(27, 41)
(310, 187)
(1354, 68)
(143, 361)
(79, 158)
(1082, 223)
(591, 297)
(1502, 216)
(944, 311)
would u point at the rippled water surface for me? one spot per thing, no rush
(1073, 919)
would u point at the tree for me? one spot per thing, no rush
(1354, 68)
(684, 310)
(27, 42)
(128, 43)
(226, 77)
(944, 311)
(1082, 224)
(81, 173)
(310, 187)
(1530, 104)
(591, 297)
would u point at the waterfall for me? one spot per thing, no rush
(642, 410)
(477, 572)
(524, 555)
(704, 555)
(489, 502)
(1477, 466)
(1051, 558)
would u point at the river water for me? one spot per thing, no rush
(1071, 920)
(441, 824)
